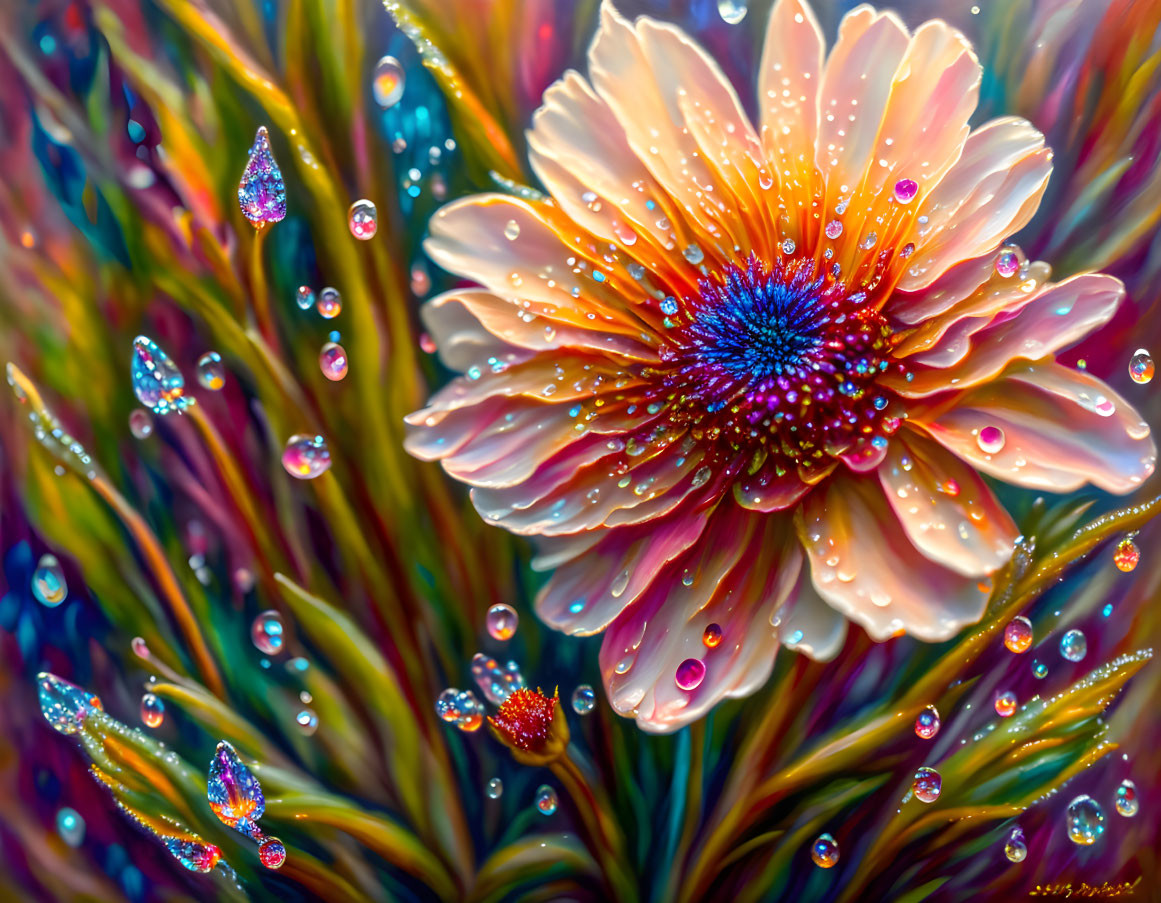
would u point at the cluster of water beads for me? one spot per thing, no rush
(1127, 802)
(211, 372)
(140, 423)
(461, 708)
(501, 622)
(236, 798)
(1141, 366)
(387, 82)
(305, 456)
(332, 360)
(1085, 820)
(825, 851)
(584, 699)
(1073, 645)
(927, 723)
(267, 632)
(1005, 704)
(494, 788)
(496, 681)
(1126, 555)
(305, 297)
(49, 585)
(927, 784)
(152, 710)
(363, 219)
(1014, 847)
(689, 674)
(262, 192)
(329, 303)
(1018, 634)
(157, 382)
(70, 826)
(546, 800)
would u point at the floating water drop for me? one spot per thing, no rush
(1015, 848)
(420, 280)
(1127, 803)
(1007, 263)
(307, 722)
(1126, 555)
(927, 785)
(445, 705)
(501, 621)
(1005, 703)
(690, 673)
(1085, 820)
(471, 712)
(711, 637)
(1141, 366)
(732, 11)
(905, 191)
(824, 851)
(927, 723)
(496, 681)
(272, 853)
(211, 371)
(494, 788)
(70, 826)
(1073, 645)
(1039, 670)
(990, 439)
(363, 219)
(330, 303)
(512, 230)
(584, 699)
(157, 382)
(1018, 634)
(332, 360)
(234, 794)
(152, 710)
(306, 457)
(140, 423)
(262, 193)
(387, 82)
(788, 246)
(267, 632)
(546, 800)
(304, 297)
(48, 582)
(833, 229)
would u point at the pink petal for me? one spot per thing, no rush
(807, 623)
(1062, 428)
(866, 567)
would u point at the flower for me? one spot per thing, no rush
(745, 381)
(527, 724)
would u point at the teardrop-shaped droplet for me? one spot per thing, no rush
(267, 632)
(501, 622)
(927, 785)
(546, 800)
(584, 699)
(1085, 820)
(330, 303)
(48, 582)
(1015, 848)
(234, 793)
(306, 457)
(195, 855)
(262, 193)
(140, 423)
(363, 219)
(332, 360)
(1141, 366)
(388, 82)
(211, 371)
(927, 723)
(732, 11)
(824, 851)
(152, 710)
(1127, 802)
(157, 382)
(63, 704)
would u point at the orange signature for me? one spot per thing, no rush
(1084, 889)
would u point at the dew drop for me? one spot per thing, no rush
(157, 382)
(152, 710)
(304, 297)
(1018, 634)
(693, 254)
(1073, 645)
(211, 371)
(494, 788)
(1126, 555)
(1007, 263)
(261, 191)
(64, 705)
(363, 219)
(1127, 803)
(512, 230)
(471, 712)
(48, 582)
(824, 851)
(927, 723)
(732, 11)
(387, 82)
(1039, 670)
(869, 241)
(584, 699)
(501, 622)
(496, 681)
(140, 423)
(305, 457)
(272, 853)
(234, 794)
(1141, 366)
(905, 191)
(330, 303)
(833, 229)
(712, 636)
(332, 360)
(546, 801)
(689, 675)
(1085, 820)
(990, 439)
(445, 705)
(70, 826)
(307, 722)
(1014, 847)
(927, 785)
(788, 246)
(1005, 703)
(267, 633)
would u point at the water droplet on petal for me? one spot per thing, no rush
(387, 82)
(1141, 366)
(1085, 820)
(693, 254)
(1073, 645)
(70, 826)
(927, 785)
(306, 457)
(234, 794)
(307, 722)
(304, 297)
(732, 11)
(546, 800)
(834, 229)
(1015, 848)
(712, 636)
(494, 788)
(157, 382)
(1018, 634)
(211, 371)
(262, 193)
(1005, 703)
(332, 360)
(869, 241)
(991, 440)
(501, 622)
(788, 246)
(330, 303)
(272, 853)
(1127, 802)
(927, 723)
(63, 704)
(1007, 263)
(584, 699)
(363, 219)
(905, 191)
(1126, 555)
(152, 710)
(690, 673)
(267, 632)
(195, 855)
(140, 423)
(512, 230)
(824, 851)
(48, 582)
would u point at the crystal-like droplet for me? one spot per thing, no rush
(501, 622)
(211, 372)
(48, 582)
(332, 360)
(262, 193)
(267, 632)
(1085, 820)
(387, 82)
(157, 382)
(306, 457)
(152, 710)
(363, 219)
(584, 699)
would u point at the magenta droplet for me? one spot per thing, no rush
(990, 440)
(905, 191)
(1007, 263)
(690, 674)
(332, 360)
(833, 229)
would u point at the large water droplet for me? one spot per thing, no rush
(1018, 634)
(732, 11)
(304, 297)
(496, 681)
(445, 705)
(584, 699)
(546, 800)
(1005, 703)
(70, 826)
(267, 632)
(211, 371)
(234, 794)
(927, 723)
(306, 457)
(363, 219)
(711, 637)
(1085, 820)
(48, 582)
(471, 712)
(157, 382)
(1015, 848)
(1073, 645)
(332, 360)
(824, 851)
(501, 622)
(1127, 802)
(388, 82)
(272, 853)
(262, 193)
(152, 710)
(1007, 263)
(330, 303)
(990, 439)
(1126, 555)
(195, 855)
(905, 191)
(834, 229)
(512, 230)
(689, 675)
(927, 785)
(494, 788)
(1141, 366)
(63, 704)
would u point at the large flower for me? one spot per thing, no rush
(741, 384)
